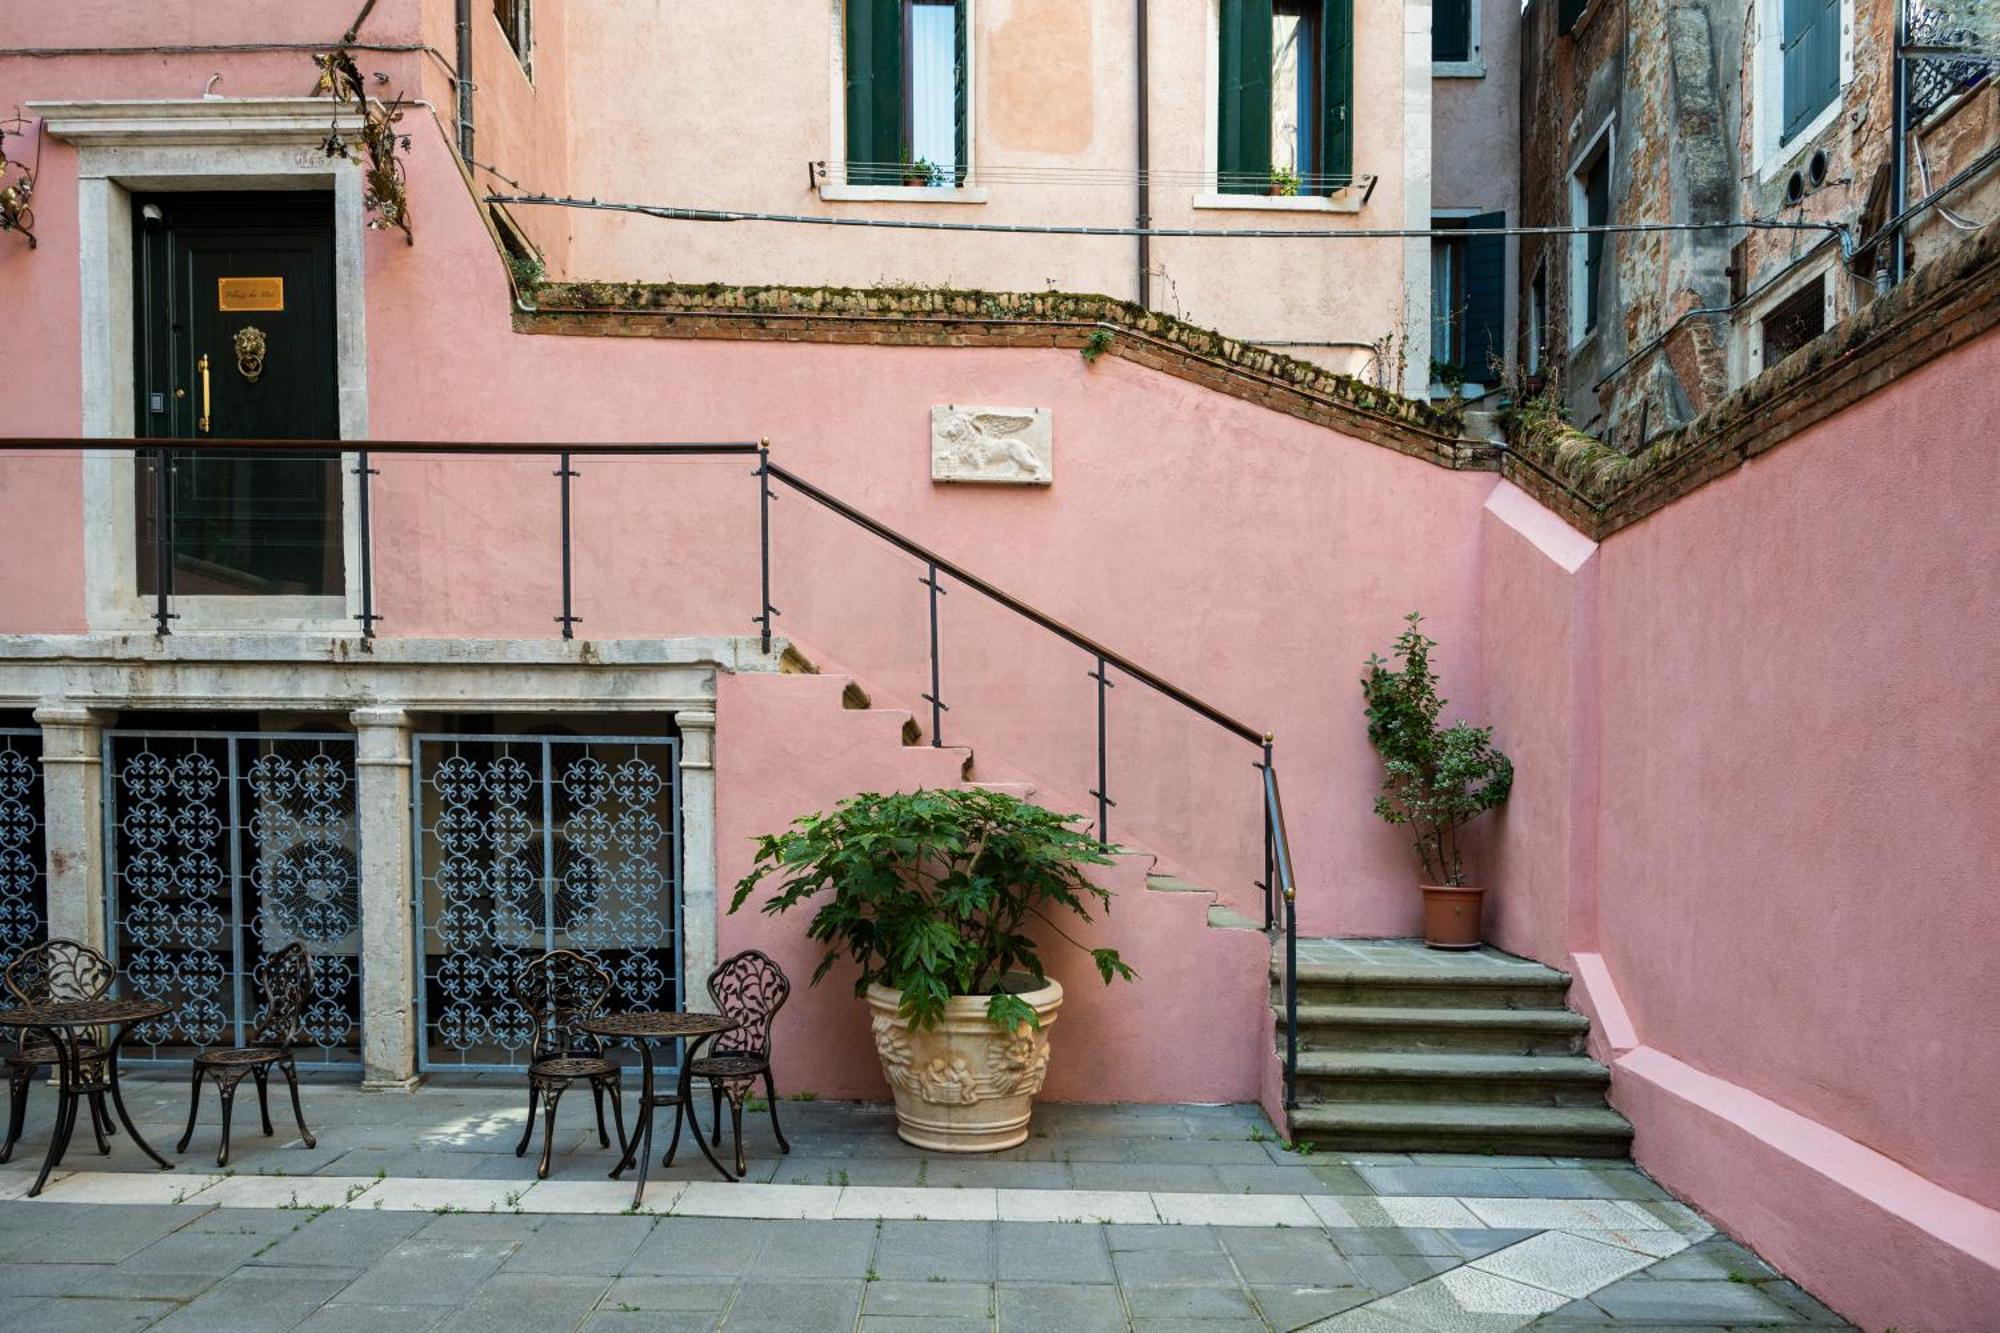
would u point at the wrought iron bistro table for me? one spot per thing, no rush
(642, 1028)
(67, 1024)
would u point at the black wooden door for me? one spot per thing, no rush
(235, 340)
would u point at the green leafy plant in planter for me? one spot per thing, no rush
(930, 893)
(1435, 779)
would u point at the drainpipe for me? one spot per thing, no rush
(1899, 134)
(465, 79)
(1145, 217)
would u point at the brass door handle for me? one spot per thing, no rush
(201, 426)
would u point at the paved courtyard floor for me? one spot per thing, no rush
(414, 1213)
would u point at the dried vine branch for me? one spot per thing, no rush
(387, 196)
(16, 194)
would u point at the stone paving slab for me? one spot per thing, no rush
(1113, 1217)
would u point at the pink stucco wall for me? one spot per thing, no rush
(1194, 1026)
(1753, 819)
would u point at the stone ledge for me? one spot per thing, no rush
(936, 317)
(1598, 490)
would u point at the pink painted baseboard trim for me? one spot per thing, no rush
(1955, 1220)
(1591, 984)
(1806, 1196)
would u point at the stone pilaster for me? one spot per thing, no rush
(698, 888)
(388, 981)
(73, 799)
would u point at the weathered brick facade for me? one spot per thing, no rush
(1679, 85)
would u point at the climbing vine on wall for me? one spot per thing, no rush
(387, 196)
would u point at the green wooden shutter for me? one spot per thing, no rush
(1485, 298)
(1811, 60)
(1243, 144)
(1336, 81)
(962, 93)
(874, 91)
(1451, 30)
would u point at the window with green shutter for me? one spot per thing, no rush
(1810, 46)
(907, 92)
(1451, 32)
(1286, 79)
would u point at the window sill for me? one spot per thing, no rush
(1346, 201)
(900, 194)
(1458, 69)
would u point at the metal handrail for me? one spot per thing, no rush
(1279, 885)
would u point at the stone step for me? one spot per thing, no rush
(1474, 983)
(1452, 1078)
(1559, 1131)
(1417, 1029)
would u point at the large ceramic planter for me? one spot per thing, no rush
(1451, 917)
(963, 1085)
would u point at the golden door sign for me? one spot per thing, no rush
(249, 293)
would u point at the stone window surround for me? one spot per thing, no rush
(77, 684)
(1604, 139)
(194, 144)
(1474, 65)
(836, 147)
(1767, 91)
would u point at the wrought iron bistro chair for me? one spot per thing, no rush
(50, 973)
(751, 989)
(285, 981)
(560, 990)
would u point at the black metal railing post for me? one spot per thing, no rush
(936, 697)
(764, 497)
(566, 619)
(1103, 788)
(163, 542)
(1269, 883)
(362, 472)
(1274, 807)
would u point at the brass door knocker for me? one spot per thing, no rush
(250, 349)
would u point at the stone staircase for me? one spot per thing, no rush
(1405, 1049)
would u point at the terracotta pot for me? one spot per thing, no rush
(963, 1085)
(1451, 917)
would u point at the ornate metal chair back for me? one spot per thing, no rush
(559, 990)
(284, 979)
(58, 970)
(750, 988)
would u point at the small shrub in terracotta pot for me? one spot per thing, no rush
(1435, 779)
(932, 893)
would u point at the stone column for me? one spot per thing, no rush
(73, 801)
(388, 975)
(698, 902)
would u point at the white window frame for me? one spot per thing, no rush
(524, 54)
(1347, 199)
(1474, 65)
(1774, 158)
(1749, 349)
(831, 191)
(1580, 325)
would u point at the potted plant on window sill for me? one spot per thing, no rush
(931, 893)
(922, 174)
(1284, 183)
(1435, 779)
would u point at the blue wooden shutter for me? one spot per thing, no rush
(1243, 123)
(1451, 30)
(874, 91)
(1485, 299)
(1336, 81)
(1810, 48)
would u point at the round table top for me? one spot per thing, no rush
(81, 1013)
(649, 1023)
